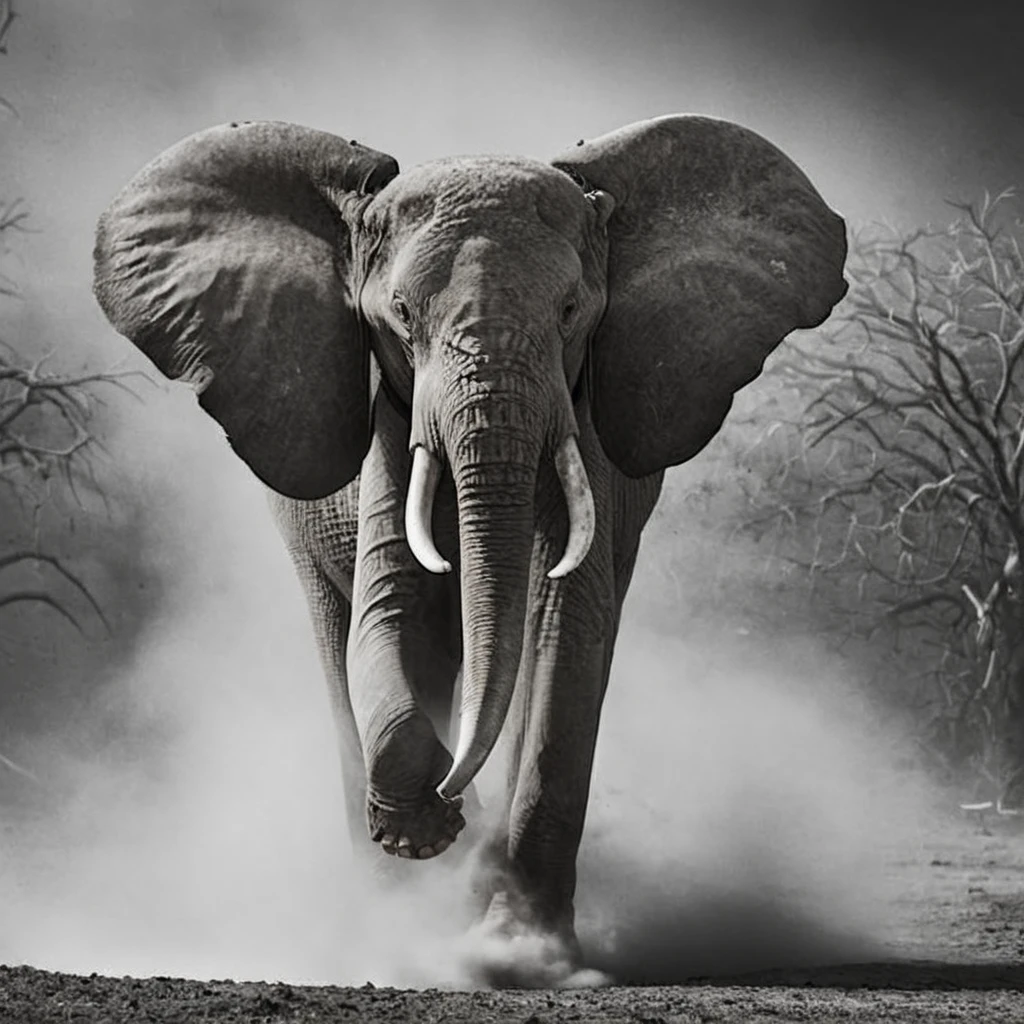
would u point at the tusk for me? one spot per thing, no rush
(580, 499)
(419, 510)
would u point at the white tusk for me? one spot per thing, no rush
(419, 510)
(578, 496)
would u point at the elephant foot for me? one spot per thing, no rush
(404, 812)
(509, 949)
(420, 833)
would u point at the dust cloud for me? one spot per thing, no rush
(746, 805)
(189, 816)
(742, 805)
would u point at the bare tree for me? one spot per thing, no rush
(44, 437)
(46, 448)
(44, 433)
(889, 481)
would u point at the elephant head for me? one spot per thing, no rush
(647, 273)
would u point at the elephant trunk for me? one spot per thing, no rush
(495, 410)
(495, 470)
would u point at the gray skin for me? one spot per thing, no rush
(618, 297)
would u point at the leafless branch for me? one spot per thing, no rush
(7, 16)
(893, 473)
(22, 557)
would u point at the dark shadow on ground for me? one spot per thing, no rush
(659, 931)
(680, 937)
(739, 941)
(906, 975)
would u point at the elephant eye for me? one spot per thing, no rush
(570, 310)
(401, 310)
(568, 314)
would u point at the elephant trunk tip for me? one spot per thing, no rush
(478, 733)
(460, 775)
(451, 788)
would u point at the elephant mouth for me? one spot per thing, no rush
(572, 474)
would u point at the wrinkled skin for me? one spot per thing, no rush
(548, 338)
(570, 638)
(498, 316)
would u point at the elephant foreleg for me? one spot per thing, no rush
(548, 808)
(403, 658)
(560, 692)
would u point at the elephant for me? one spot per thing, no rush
(461, 385)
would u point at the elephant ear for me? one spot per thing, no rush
(228, 261)
(718, 247)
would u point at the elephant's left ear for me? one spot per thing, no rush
(718, 247)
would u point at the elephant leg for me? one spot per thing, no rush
(573, 628)
(549, 805)
(403, 656)
(331, 615)
(320, 537)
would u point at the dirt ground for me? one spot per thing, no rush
(955, 953)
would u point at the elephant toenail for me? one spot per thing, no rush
(425, 852)
(406, 852)
(441, 845)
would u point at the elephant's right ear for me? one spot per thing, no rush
(228, 261)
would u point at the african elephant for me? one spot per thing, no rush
(546, 339)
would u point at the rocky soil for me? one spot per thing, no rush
(956, 954)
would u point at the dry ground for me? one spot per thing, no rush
(955, 953)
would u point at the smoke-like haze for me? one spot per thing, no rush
(743, 808)
(743, 803)
(188, 816)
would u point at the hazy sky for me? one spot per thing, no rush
(889, 107)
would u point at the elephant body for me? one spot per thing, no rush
(568, 646)
(462, 385)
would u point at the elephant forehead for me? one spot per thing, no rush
(491, 190)
(516, 263)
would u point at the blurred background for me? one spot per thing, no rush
(824, 624)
